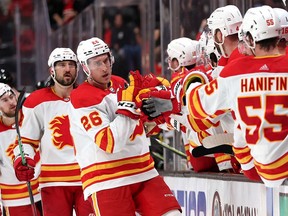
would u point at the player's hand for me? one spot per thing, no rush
(126, 97)
(24, 172)
(154, 107)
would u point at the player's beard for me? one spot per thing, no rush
(65, 81)
(10, 114)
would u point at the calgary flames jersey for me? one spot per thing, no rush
(112, 150)
(256, 89)
(46, 127)
(13, 192)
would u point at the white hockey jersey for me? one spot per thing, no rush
(14, 192)
(256, 89)
(46, 127)
(112, 150)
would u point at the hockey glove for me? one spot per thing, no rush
(151, 80)
(126, 97)
(24, 172)
(157, 101)
(153, 86)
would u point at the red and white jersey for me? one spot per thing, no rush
(46, 127)
(256, 89)
(13, 192)
(112, 150)
(223, 61)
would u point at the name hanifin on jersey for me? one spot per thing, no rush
(264, 84)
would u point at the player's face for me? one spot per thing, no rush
(174, 64)
(8, 104)
(65, 72)
(101, 69)
(218, 37)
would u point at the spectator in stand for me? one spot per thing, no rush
(157, 52)
(55, 10)
(69, 12)
(14, 190)
(45, 126)
(80, 5)
(60, 12)
(112, 149)
(107, 32)
(203, 27)
(124, 45)
(26, 8)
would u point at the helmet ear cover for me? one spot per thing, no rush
(184, 50)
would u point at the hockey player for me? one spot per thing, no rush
(112, 149)
(184, 56)
(255, 88)
(46, 127)
(224, 24)
(14, 192)
(208, 48)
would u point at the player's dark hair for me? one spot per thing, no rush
(267, 44)
(190, 67)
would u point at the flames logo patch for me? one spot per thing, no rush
(61, 135)
(139, 130)
(9, 151)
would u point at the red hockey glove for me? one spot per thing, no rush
(151, 80)
(180, 83)
(157, 101)
(24, 172)
(126, 97)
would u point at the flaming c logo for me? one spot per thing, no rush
(138, 131)
(9, 151)
(60, 130)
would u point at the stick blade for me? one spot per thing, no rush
(202, 151)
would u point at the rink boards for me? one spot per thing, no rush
(226, 195)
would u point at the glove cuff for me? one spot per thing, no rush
(128, 108)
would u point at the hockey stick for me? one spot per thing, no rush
(217, 140)
(176, 151)
(20, 101)
(202, 151)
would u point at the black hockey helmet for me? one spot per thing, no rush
(5, 77)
